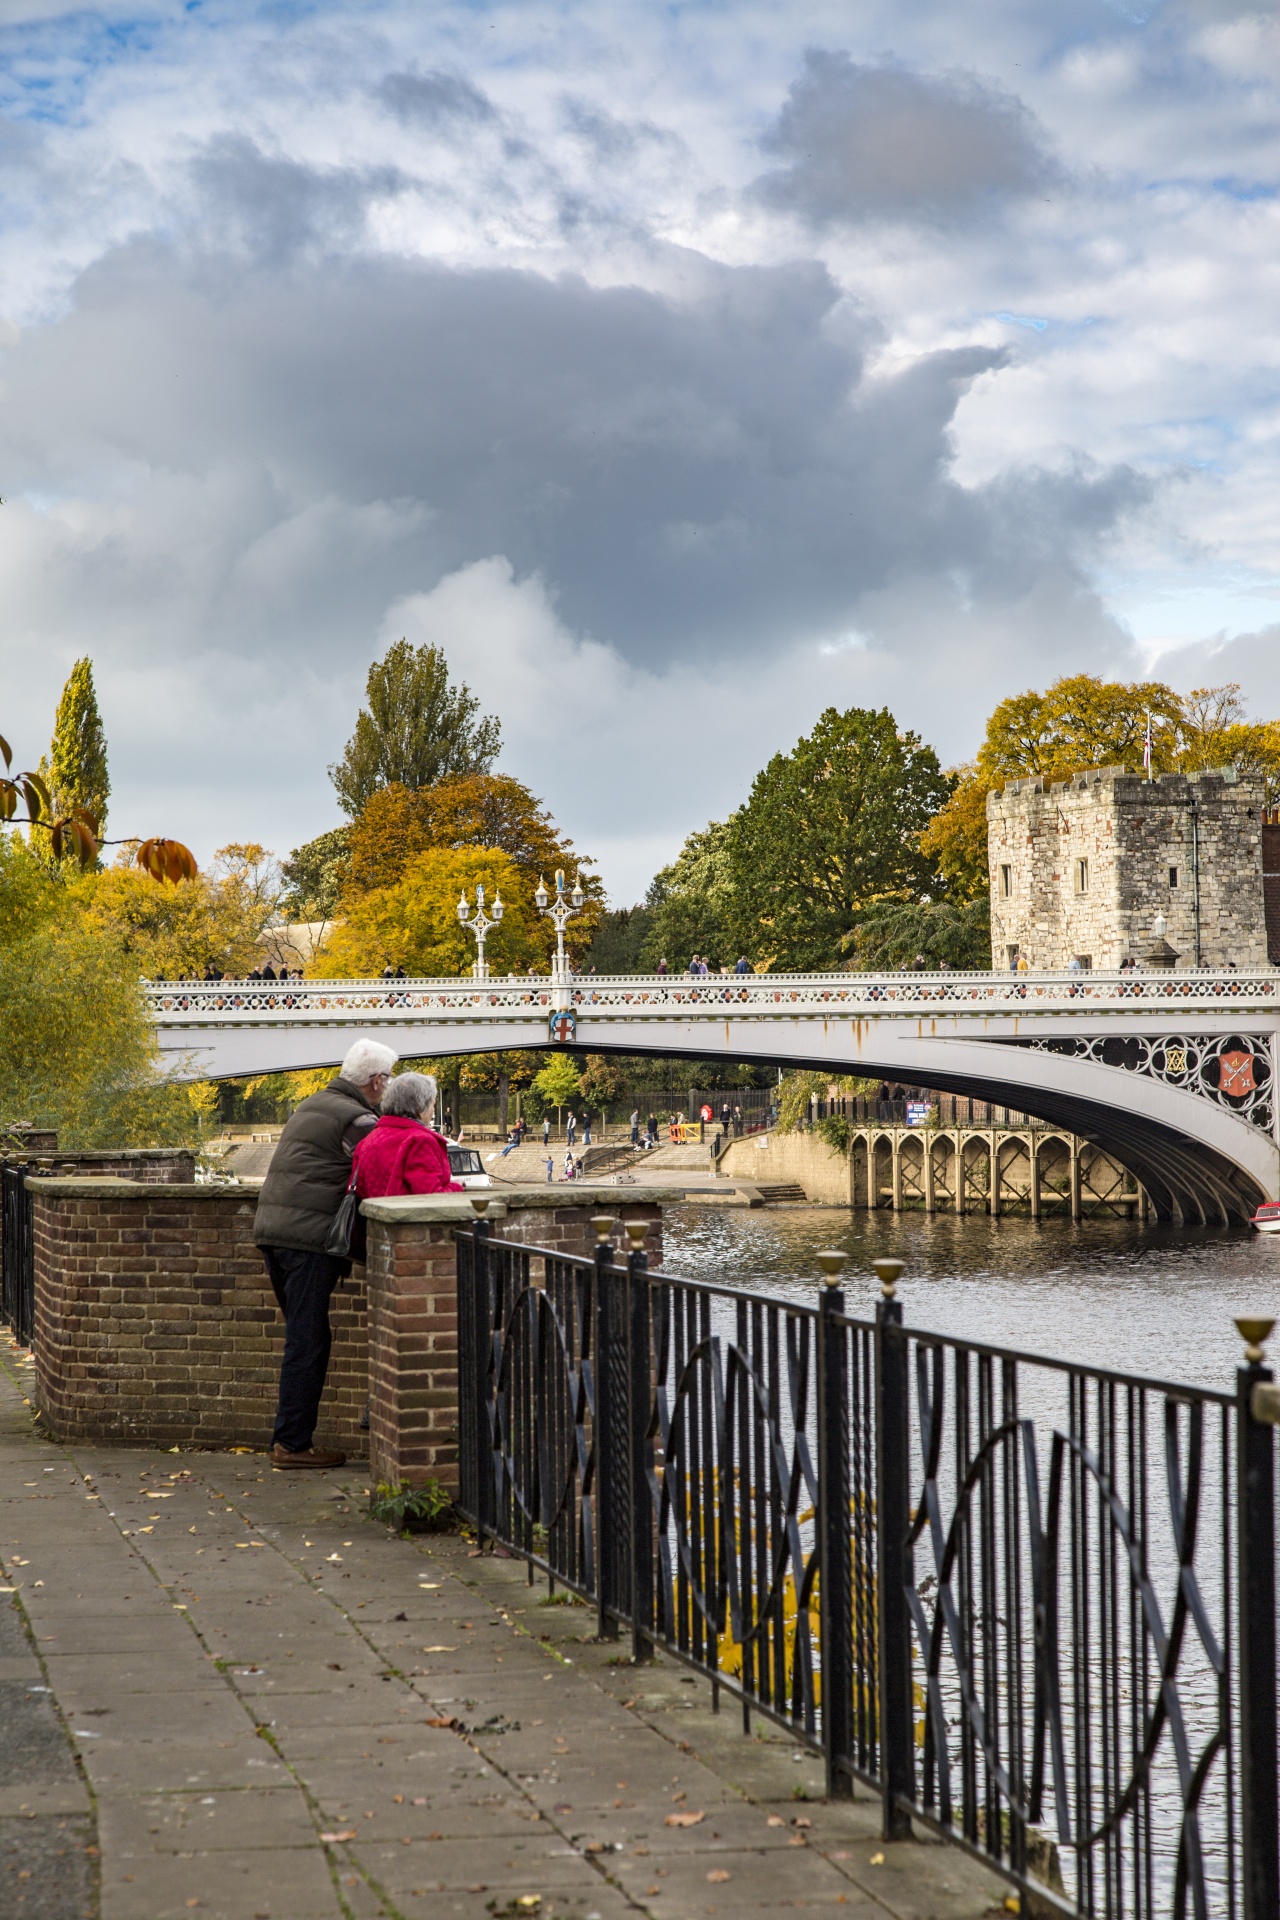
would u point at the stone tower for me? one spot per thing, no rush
(1081, 869)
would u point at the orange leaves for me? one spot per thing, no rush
(167, 860)
(75, 837)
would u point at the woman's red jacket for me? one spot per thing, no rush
(402, 1156)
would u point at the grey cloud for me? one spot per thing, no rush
(434, 99)
(863, 143)
(275, 208)
(714, 476)
(1253, 659)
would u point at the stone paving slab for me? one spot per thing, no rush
(248, 1668)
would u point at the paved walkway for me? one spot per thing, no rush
(259, 1706)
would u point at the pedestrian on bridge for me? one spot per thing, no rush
(305, 1185)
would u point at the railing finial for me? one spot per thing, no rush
(888, 1272)
(830, 1259)
(637, 1232)
(1253, 1332)
(480, 1201)
(603, 1224)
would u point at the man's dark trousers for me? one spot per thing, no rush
(303, 1283)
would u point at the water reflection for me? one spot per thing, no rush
(1155, 1300)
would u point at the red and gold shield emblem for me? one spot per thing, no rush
(1235, 1074)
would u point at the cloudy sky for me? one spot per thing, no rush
(680, 369)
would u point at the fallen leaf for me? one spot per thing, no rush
(775, 1820)
(332, 1839)
(717, 1874)
(877, 1860)
(442, 1720)
(796, 1840)
(684, 1819)
(801, 1820)
(439, 1649)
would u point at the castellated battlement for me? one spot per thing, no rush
(1082, 867)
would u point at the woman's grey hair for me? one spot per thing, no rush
(410, 1094)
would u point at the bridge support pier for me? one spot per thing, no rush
(993, 1179)
(1033, 1176)
(1073, 1176)
(930, 1191)
(896, 1174)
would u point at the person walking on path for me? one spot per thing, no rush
(744, 965)
(403, 1153)
(662, 965)
(635, 1126)
(546, 1130)
(586, 1129)
(305, 1184)
(551, 1169)
(571, 1127)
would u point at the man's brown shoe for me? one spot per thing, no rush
(313, 1457)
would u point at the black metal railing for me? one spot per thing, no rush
(17, 1250)
(1032, 1604)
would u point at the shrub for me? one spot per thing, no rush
(406, 1509)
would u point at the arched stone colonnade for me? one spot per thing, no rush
(993, 1170)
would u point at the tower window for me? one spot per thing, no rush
(1006, 882)
(1173, 876)
(1082, 876)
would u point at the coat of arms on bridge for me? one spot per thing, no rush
(564, 1027)
(1235, 1075)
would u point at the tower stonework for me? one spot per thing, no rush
(1081, 868)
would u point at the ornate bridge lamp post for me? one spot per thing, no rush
(560, 915)
(481, 925)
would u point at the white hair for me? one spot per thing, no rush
(365, 1059)
(410, 1094)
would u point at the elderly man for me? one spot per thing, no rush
(302, 1192)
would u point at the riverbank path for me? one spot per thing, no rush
(228, 1694)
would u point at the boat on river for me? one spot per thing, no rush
(1267, 1218)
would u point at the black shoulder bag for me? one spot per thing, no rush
(347, 1238)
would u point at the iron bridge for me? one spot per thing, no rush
(1172, 1073)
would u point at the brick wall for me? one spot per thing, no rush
(155, 1321)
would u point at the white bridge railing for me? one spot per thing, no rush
(521, 997)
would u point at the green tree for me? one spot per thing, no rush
(559, 1083)
(77, 764)
(619, 942)
(315, 874)
(892, 933)
(829, 828)
(77, 1051)
(418, 728)
(691, 904)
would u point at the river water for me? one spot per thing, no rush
(1152, 1300)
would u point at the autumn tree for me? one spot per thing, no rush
(467, 810)
(828, 829)
(77, 764)
(77, 1048)
(174, 932)
(417, 728)
(414, 924)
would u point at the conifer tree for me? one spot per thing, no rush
(78, 753)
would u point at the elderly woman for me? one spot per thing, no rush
(402, 1154)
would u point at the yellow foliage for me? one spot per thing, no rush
(414, 924)
(177, 930)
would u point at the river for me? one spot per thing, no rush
(1153, 1300)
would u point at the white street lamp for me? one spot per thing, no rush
(481, 924)
(566, 905)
